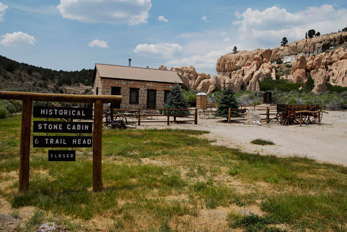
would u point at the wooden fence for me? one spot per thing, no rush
(142, 116)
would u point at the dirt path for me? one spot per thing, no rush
(326, 142)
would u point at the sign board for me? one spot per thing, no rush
(62, 141)
(63, 127)
(61, 155)
(63, 112)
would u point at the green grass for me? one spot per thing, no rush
(152, 178)
(262, 142)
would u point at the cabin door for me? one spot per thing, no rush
(151, 99)
(115, 91)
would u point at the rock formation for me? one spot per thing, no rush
(249, 68)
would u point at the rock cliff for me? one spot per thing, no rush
(248, 68)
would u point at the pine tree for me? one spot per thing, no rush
(226, 101)
(175, 100)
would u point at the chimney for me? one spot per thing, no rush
(129, 62)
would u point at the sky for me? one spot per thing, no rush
(75, 34)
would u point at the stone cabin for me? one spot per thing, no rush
(140, 88)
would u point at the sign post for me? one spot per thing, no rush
(96, 141)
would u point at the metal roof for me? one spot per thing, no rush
(136, 73)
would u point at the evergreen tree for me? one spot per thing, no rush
(284, 41)
(175, 100)
(309, 85)
(311, 33)
(235, 50)
(227, 100)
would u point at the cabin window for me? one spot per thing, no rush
(134, 96)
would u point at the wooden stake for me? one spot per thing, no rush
(139, 117)
(97, 146)
(25, 145)
(168, 117)
(229, 116)
(196, 117)
(267, 115)
(300, 119)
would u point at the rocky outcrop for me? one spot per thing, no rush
(249, 68)
(305, 55)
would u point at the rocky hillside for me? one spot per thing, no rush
(324, 58)
(16, 76)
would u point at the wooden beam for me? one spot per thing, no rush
(97, 146)
(59, 97)
(25, 145)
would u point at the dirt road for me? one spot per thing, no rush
(326, 142)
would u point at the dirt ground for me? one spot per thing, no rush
(325, 143)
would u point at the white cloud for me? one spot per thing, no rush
(2, 11)
(206, 62)
(204, 19)
(44, 9)
(268, 27)
(162, 50)
(163, 19)
(226, 39)
(17, 39)
(98, 43)
(131, 12)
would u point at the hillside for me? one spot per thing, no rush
(15, 76)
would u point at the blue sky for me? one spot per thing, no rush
(76, 34)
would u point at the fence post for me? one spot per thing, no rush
(300, 119)
(25, 145)
(319, 117)
(139, 117)
(97, 146)
(267, 115)
(229, 115)
(196, 116)
(168, 117)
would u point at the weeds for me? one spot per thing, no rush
(262, 142)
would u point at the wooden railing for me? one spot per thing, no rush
(139, 115)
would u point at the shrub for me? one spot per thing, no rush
(282, 85)
(226, 101)
(3, 112)
(175, 100)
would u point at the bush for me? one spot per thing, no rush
(282, 85)
(3, 112)
(175, 100)
(226, 101)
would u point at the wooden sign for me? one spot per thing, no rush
(62, 112)
(61, 155)
(63, 127)
(62, 141)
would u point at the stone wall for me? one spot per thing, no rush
(143, 86)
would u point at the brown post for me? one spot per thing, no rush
(319, 117)
(139, 117)
(25, 145)
(196, 116)
(229, 116)
(300, 119)
(97, 146)
(267, 115)
(168, 117)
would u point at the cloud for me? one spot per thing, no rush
(207, 61)
(204, 19)
(2, 11)
(131, 12)
(163, 19)
(44, 9)
(17, 39)
(268, 27)
(98, 43)
(160, 50)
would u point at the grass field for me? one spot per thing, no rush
(171, 180)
